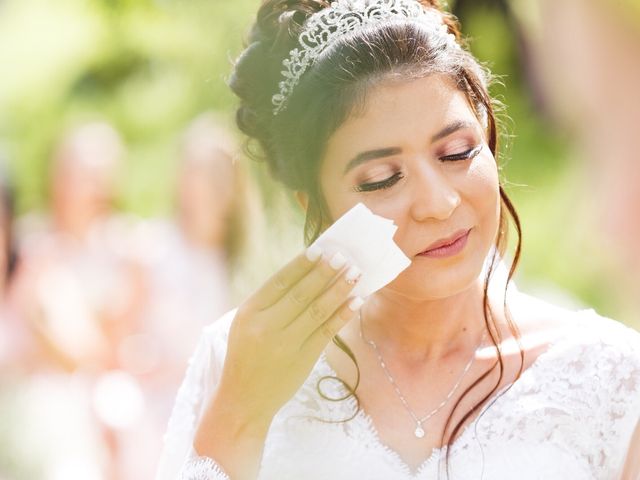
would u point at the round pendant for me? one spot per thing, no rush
(419, 432)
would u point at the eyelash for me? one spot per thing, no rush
(469, 154)
(392, 180)
(389, 182)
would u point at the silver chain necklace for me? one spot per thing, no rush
(419, 431)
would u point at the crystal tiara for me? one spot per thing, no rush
(323, 28)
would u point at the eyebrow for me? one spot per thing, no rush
(451, 128)
(370, 155)
(390, 151)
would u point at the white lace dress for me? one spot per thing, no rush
(569, 416)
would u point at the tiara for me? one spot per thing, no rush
(323, 28)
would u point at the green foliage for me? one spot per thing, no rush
(148, 67)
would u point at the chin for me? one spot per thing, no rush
(418, 282)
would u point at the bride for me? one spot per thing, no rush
(446, 372)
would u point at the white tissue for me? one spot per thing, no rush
(366, 239)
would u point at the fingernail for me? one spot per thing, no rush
(313, 253)
(337, 261)
(352, 274)
(356, 303)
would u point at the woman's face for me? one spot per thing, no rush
(411, 155)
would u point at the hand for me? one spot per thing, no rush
(280, 331)
(275, 339)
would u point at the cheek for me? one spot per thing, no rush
(483, 192)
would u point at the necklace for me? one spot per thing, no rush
(419, 431)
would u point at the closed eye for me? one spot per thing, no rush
(467, 155)
(381, 185)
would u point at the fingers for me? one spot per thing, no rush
(302, 296)
(282, 281)
(324, 305)
(324, 333)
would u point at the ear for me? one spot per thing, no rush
(303, 199)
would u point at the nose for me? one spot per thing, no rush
(433, 194)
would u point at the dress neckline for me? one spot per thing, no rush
(464, 438)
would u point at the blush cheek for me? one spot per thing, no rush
(484, 197)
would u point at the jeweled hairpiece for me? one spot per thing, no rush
(342, 17)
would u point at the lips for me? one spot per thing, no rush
(444, 242)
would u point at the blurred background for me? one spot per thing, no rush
(131, 218)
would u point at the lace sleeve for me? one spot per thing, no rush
(178, 459)
(202, 468)
(618, 371)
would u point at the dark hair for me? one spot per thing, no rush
(292, 142)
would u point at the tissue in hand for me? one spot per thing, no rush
(366, 239)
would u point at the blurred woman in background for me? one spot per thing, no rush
(80, 297)
(187, 260)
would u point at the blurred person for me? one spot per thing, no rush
(188, 257)
(9, 342)
(8, 255)
(188, 260)
(588, 61)
(80, 296)
(72, 257)
(13, 341)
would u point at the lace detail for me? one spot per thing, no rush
(570, 415)
(202, 468)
